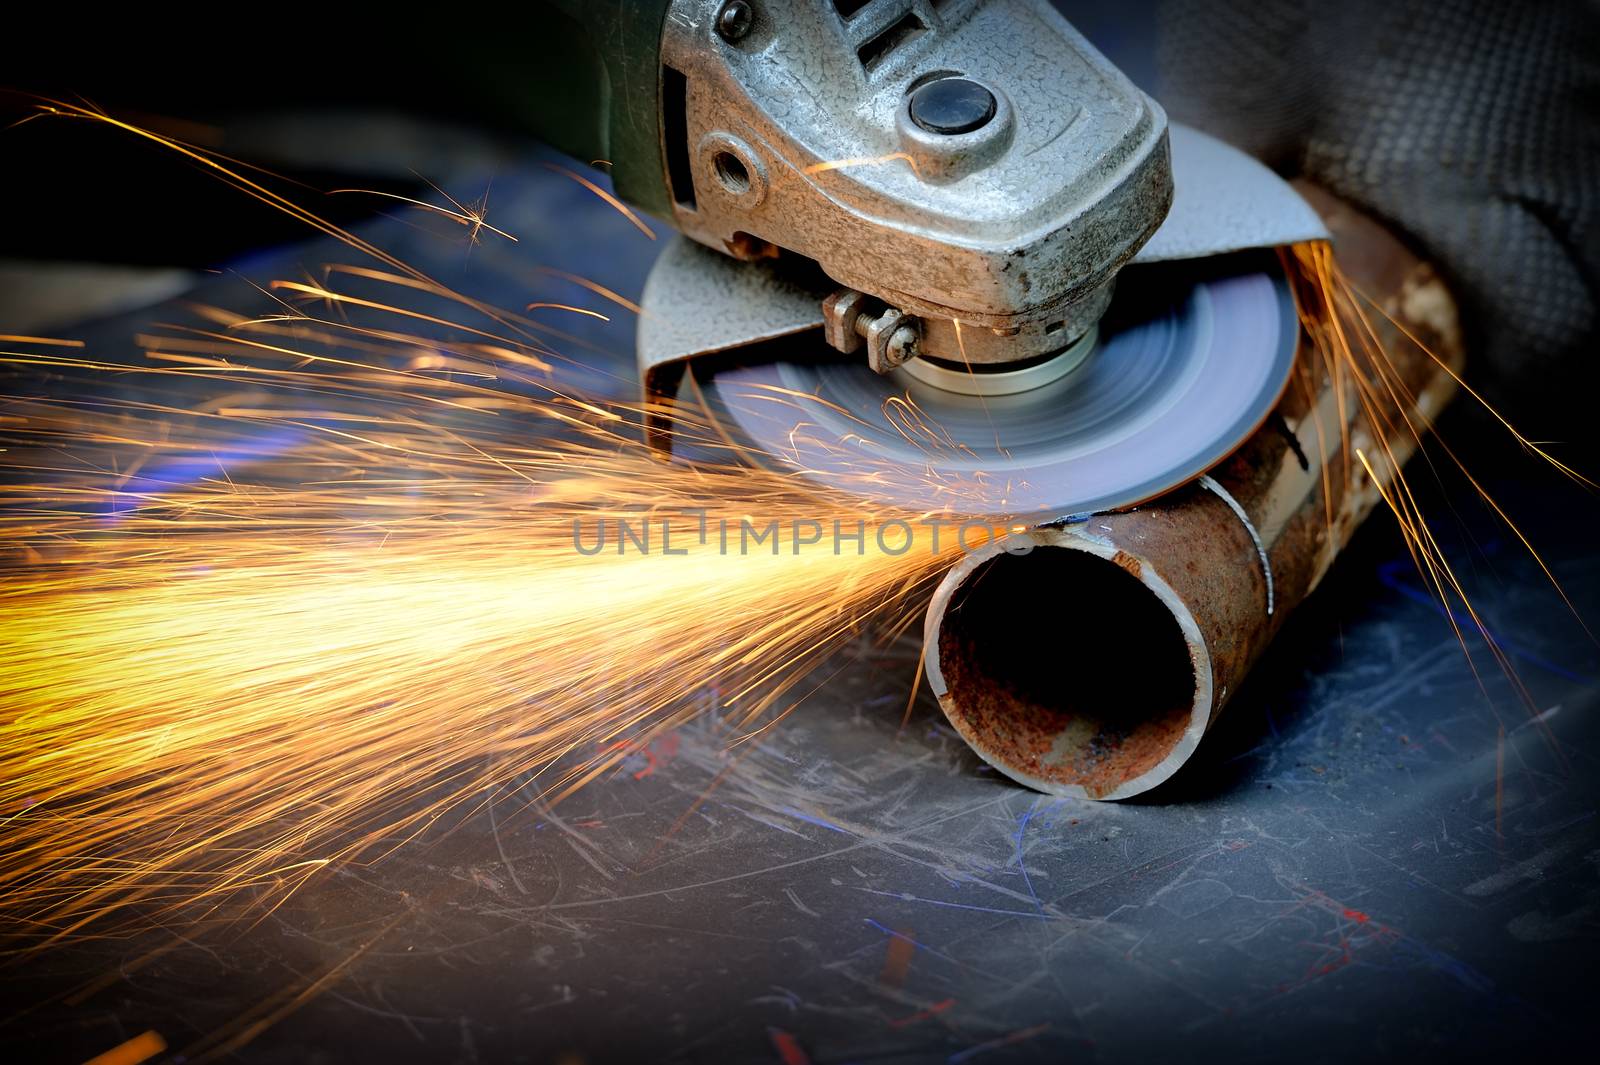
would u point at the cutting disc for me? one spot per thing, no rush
(1190, 359)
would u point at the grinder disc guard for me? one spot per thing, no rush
(1190, 359)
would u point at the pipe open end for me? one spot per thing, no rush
(1069, 670)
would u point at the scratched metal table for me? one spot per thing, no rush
(1372, 854)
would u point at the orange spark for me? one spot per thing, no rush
(621, 208)
(862, 160)
(471, 217)
(1349, 352)
(47, 341)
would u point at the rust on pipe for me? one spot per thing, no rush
(1172, 603)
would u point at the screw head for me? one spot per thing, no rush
(952, 105)
(902, 345)
(734, 20)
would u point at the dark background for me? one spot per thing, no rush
(1372, 855)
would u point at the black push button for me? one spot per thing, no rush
(952, 105)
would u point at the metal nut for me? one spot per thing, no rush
(840, 312)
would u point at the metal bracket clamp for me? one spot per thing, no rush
(892, 337)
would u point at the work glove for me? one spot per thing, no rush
(1472, 127)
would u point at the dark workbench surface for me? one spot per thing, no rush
(1358, 862)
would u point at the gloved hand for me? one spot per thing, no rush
(1471, 126)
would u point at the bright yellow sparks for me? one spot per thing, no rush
(1346, 348)
(364, 603)
(296, 585)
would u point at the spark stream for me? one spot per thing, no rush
(893, 537)
(295, 586)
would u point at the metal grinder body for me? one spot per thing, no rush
(946, 192)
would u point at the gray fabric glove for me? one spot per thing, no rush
(1472, 126)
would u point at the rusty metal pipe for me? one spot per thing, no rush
(1173, 602)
